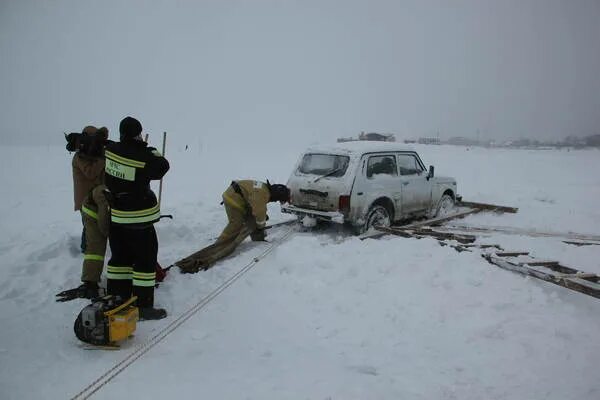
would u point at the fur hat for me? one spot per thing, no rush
(102, 132)
(89, 130)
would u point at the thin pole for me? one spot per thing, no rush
(161, 179)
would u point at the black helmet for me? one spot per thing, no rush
(280, 193)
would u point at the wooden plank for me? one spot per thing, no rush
(542, 263)
(580, 275)
(581, 243)
(484, 246)
(587, 239)
(381, 231)
(445, 235)
(486, 206)
(395, 231)
(562, 269)
(581, 285)
(512, 253)
(577, 284)
(439, 220)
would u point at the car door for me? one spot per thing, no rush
(416, 188)
(378, 177)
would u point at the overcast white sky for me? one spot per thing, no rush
(277, 69)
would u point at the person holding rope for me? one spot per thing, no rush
(245, 203)
(130, 166)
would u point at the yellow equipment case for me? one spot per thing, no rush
(106, 321)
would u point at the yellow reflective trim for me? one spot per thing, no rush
(143, 283)
(118, 277)
(135, 213)
(231, 201)
(89, 212)
(119, 270)
(93, 257)
(123, 160)
(135, 220)
(118, 273)
(151, 275)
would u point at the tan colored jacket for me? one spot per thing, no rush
(257, 195)
(95, 205)
(87, 173)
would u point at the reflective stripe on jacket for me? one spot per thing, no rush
(130, 166)
(96, 207)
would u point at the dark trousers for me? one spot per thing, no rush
(132, 267)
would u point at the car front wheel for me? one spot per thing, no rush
(445, 206)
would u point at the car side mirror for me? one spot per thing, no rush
(430, 173)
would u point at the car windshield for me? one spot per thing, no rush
(324, 164)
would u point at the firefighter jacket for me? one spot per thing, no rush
(87, 173)
(252, 200)
(130, 166)
(95, 205)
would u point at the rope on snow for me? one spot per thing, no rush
(150, 343)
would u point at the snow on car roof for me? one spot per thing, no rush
(359, 146)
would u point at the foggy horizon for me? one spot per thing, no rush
(275, 70)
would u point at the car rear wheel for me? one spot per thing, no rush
(445, 206)
(378, 215)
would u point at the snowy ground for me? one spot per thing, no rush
(325, 316)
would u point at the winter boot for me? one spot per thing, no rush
(148, 313)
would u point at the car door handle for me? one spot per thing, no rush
(405, 183)
(359, 193)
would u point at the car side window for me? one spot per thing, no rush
(382, 165)
(409, 165)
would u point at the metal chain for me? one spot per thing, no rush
(150, 343)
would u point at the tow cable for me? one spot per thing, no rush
(153, 341)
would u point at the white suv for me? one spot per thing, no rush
(365, 184)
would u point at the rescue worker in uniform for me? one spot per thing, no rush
(130, 166)
(96, 221)
(245, 203)
(87, 166)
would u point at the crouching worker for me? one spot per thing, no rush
(130, 166)
(245, 203)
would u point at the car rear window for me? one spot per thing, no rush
(324, 164)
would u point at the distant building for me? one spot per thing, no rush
(371, 136)
(379, 137)
(593, 140)
(462, 141)
(429, 140)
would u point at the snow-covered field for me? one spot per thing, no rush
(325, 315)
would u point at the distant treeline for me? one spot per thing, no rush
(569, 141)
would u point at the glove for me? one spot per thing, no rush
(258, 235)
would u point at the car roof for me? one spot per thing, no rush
(359, 147)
